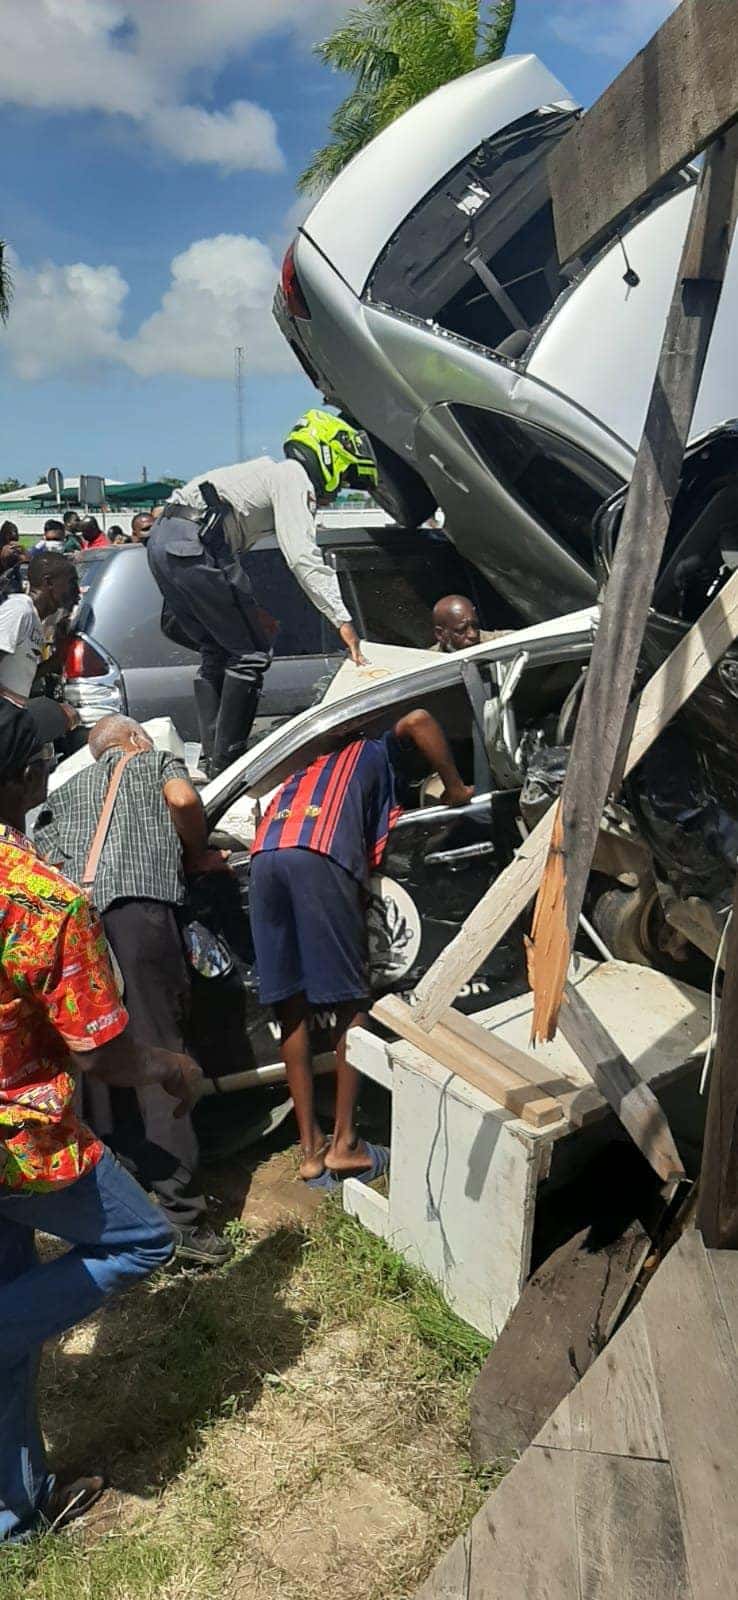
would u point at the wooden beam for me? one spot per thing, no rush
(717, 1205)
(617, 1079)
(508, 897)
(646, 517)
(669, 103)
(478, 1060)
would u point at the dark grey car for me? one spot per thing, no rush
(119, 659)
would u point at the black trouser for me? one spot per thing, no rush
(209, 604)
(147, 942)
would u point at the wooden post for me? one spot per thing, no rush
(640, 545)
(717, 1206)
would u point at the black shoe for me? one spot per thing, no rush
(201, 1246)
(238, 704)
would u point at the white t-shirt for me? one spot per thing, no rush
(21, 644)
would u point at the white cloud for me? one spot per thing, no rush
(615, 28)
(67, 319)
(64, 318)
(242, 136)
(135, 58)
(220, 295)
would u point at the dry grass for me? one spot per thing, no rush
(297, 1420)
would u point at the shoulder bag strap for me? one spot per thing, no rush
(106, 815)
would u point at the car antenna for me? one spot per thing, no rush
(630, 276)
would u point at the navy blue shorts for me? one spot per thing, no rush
(308, 923)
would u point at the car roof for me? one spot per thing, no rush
(361, 210)
(302, 738)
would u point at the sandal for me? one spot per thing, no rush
(71, 1500)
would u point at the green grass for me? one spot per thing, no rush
(220, 1403)
(352, 1274)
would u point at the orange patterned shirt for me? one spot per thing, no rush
(57, 993)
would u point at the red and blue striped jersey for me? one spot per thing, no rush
(342, 806)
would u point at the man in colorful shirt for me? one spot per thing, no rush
(60, 1013)
(320, 838)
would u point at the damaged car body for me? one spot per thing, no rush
(495, 384)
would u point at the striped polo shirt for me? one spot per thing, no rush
(342, 806)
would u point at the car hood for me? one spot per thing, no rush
(362, 208)
(297, 742)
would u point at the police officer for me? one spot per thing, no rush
(197, 552)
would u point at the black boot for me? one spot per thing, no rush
(238, 704)
(207, 705)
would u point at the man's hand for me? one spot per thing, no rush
(457, 794)
(209, 861)
(353, 643)
(177, 1075)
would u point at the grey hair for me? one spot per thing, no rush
(110, 731)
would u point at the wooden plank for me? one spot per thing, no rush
(631, 1099)
(580, 1103)
(475, 1065)
(724, 1269)
(557, 1330)
(717, 1206)
(619, 640)
(616, 1409)
(629, 1536)
(507, 898)
(524, 1540)
(694, 1361)
(667, 104)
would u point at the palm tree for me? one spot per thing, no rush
(398, 51)
(6, 285)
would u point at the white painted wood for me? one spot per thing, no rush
(370, 1208)
(370, 1055)
(465, 1173)
(462, 1189)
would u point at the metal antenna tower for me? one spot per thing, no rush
(238, 355)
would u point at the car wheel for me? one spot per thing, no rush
(632, 925)
(401, 492)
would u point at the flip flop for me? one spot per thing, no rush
(327, 1180)
(380, 1163)
(380, 1159)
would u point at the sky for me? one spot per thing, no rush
(147, 196)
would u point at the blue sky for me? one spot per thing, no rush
(151, 149)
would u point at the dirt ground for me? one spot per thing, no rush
(294, 1421)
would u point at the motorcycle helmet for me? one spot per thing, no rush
(335, 455)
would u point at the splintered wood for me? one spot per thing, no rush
(547, 959)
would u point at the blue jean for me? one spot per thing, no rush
(118, 1238)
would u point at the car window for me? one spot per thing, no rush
(301, 630)
(478, 255)
(394, 588)
(562, 486)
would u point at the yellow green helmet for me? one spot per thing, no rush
(335, 455)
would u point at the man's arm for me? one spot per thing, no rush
(125, 1062)
(429, 738)
(187, 813)
(294, 526)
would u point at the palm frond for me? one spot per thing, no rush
(494, 33)
(6, 285)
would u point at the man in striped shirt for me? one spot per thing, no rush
(318, 842)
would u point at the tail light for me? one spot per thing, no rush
(84, 661)
(294, 298)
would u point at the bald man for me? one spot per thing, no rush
(141, 526)
(157, 836)
(456, 625)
